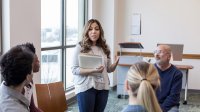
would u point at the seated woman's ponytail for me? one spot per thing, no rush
(143, 80)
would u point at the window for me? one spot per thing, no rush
(61, 25)
(49, 58)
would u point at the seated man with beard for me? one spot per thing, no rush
(171, 80)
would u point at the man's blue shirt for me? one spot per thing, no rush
(171, 84)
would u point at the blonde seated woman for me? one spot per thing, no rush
(141, 82)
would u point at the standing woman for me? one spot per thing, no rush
(92, 89)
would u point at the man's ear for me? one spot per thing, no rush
(170, 57)
(29, 77)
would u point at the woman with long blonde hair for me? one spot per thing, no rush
(141, 82)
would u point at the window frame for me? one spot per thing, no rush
(63, 47)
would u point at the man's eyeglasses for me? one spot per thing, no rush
(159, 52)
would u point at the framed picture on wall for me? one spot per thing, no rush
(136, 24)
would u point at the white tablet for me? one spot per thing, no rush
(90, 61)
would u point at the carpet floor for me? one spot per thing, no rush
(115, 104)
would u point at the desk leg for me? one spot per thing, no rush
(186, 87)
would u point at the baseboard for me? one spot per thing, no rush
(113, 88)
(192, 90)
(71, 100)
(70, 97)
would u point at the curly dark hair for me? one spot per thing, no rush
(15, 65)
(30, 46)
(86, 43)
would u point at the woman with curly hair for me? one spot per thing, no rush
(92, 89)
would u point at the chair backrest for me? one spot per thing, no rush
(51, 97)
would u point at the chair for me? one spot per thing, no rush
(51, 97)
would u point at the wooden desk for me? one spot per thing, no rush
(180, 67)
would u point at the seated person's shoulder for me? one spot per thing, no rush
(12, 105)
(134, 108)
(177, 71)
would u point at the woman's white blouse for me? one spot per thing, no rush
(98, 81)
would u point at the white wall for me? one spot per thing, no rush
(165, 21)
(168, 21)
(0, 31)
(21, 23)
(0, 26)
(171, 21)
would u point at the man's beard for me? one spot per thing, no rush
(159, 62)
